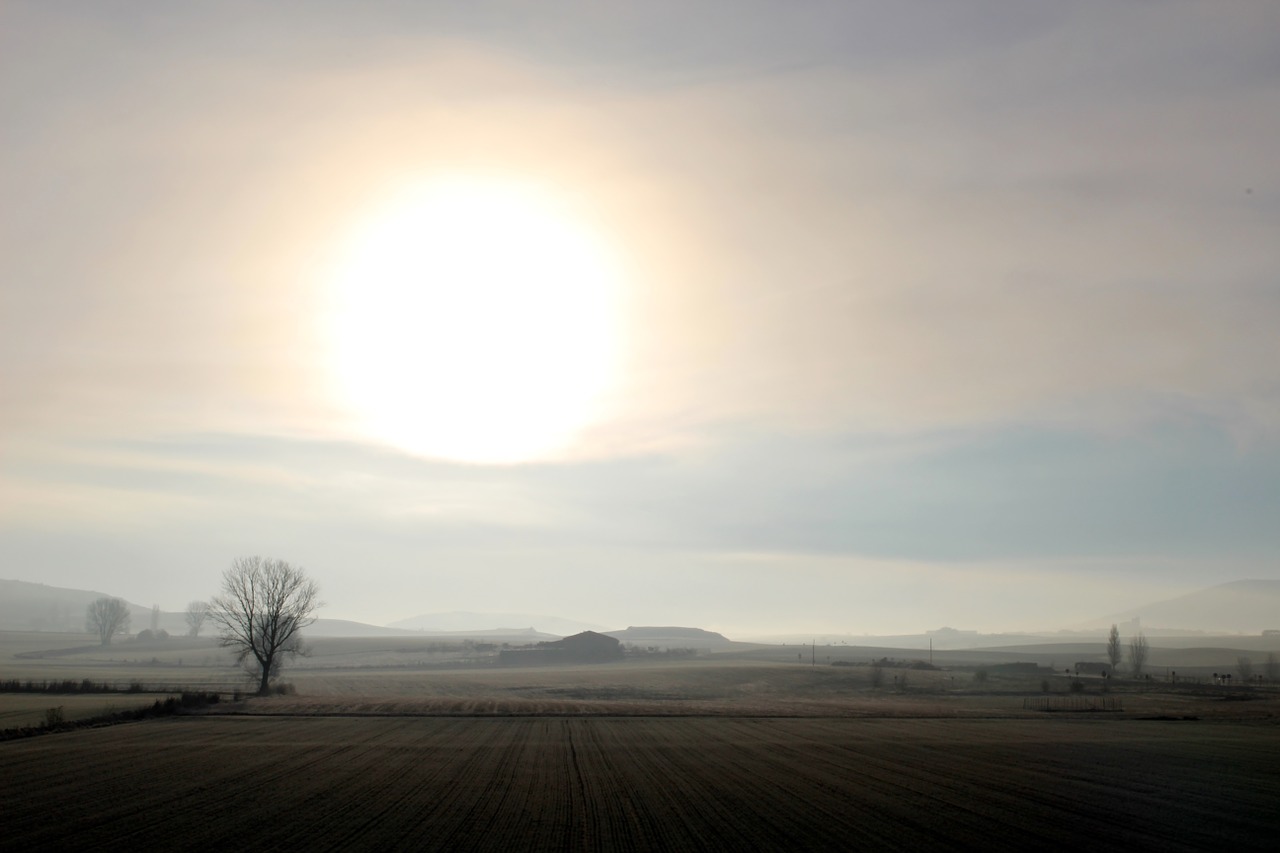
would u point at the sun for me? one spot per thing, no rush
(475, 320)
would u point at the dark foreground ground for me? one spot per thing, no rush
(559, 783)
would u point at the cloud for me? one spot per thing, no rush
(970, 296)
(1023, 223)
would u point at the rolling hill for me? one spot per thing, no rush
(1239, 607)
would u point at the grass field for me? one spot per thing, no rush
(28, 709)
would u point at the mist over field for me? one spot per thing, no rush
(587, 426)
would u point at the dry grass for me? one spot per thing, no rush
(18, 710)
(344, 676)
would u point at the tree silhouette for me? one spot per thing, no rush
(263, 607)
(107, 617)
(1115, 652)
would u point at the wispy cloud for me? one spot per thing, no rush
(986, 294)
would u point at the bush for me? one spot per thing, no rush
(980, 675)
(53, 717)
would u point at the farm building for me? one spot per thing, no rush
(587, 647)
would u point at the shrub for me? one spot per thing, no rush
(53, 717)
(980, 675)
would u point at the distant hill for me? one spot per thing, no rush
(347, 628)
(671, 637)
(464, 621)
(26, 606)
(1244, 607)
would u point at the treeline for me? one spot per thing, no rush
(68, 685)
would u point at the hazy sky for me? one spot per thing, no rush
(855, 317)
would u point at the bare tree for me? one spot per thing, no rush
(1138, 654)
(263, 607)
(1115, 652)
(155, 618)
(197, 613)
(107, 617)
(1244, 666)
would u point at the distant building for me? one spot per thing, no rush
(587, 647)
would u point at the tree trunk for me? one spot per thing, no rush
(263, 688)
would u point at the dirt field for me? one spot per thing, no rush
(717, 753)
(643, 784)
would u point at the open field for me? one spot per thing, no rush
(712, 753)
(18, 710)
(416, 676)
(556, 783)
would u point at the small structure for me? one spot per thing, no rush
(587, 647)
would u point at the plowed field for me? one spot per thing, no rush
(557, 783)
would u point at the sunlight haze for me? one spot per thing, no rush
(755, 317)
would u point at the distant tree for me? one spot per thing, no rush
(1138, 654)
(197, 614)
(107, 617)
(261, 611)
(155, 618)
(1272, 668)
(1244, 666)
(1115, 652)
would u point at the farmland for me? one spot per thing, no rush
(553, 783)
(715, 753)
(29, 709)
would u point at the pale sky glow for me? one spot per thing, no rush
(474, 321)
(756, 316)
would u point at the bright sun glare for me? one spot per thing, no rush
(475, 321)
